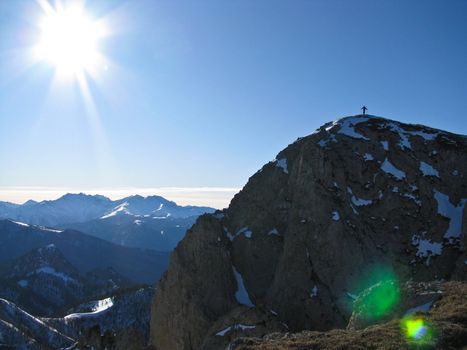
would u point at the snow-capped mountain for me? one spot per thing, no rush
(90, 301)
(84, 252)
(118, 321)
(43, 282)
(158, 233)
(145, 222)
(153, 207)
(21, 330)
(68, 208)
(77, 208)
(122, 317)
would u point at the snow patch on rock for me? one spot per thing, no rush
(347, 127)
(426, 248)
(224, 331)
(428, 170)
(282, 163)
(452, 212)
(389, 168)
(273, 232)
(234, 327)
(98, 307)
(358, 201)
(244, 231)
(118, 209)
(241, 295)
(412, 197)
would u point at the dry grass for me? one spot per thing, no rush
(448, 317)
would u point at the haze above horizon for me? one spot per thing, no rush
(196, 95)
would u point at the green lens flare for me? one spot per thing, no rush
(382, 299)
(418, 332)
(380, 296)
(416, 329)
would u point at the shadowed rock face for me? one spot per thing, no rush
(359, 194)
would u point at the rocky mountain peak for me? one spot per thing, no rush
(310, 229)
(48, 259)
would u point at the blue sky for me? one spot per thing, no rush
(203, 93)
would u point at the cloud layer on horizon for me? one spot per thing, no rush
(217, 197)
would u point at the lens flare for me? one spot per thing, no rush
(415, 329)
(382, 299)
(418, 332)
(380, 296)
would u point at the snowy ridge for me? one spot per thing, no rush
(42, 228)
(35, 327)
(19, 223)
(99, 307)
(346, 126)
(119, 209)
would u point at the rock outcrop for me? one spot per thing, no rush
(446, 328)
(313, 228)
(412, 297)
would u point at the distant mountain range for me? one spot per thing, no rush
(84, 252)
(76, 208)
(146, 222)
(90, 286)
(161, 234)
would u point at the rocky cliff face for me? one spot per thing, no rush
(360, 195)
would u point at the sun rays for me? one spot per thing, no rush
(69, 38)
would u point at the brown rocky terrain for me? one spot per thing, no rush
(447, 318)
(361, 198)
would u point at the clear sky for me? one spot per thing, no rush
(202, 93)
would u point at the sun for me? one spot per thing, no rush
(69, 39)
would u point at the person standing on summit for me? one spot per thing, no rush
(364, 109)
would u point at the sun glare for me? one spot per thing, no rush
(69, 39)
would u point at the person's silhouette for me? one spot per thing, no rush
(364, 109)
